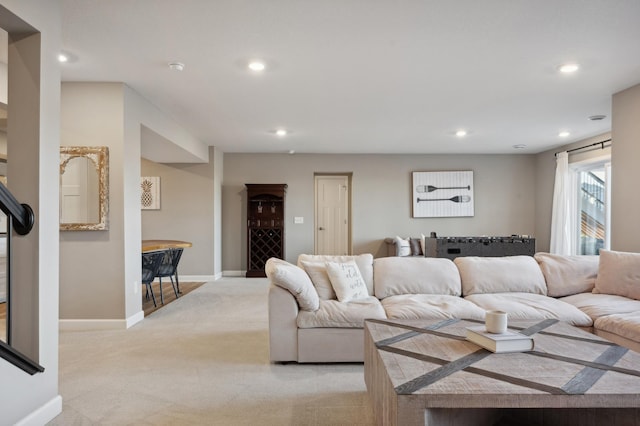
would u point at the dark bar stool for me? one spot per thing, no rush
(151, 262)
(169, 268)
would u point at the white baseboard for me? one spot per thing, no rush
(100, 324)
(96, 324)
(134, 319)
(44, 414)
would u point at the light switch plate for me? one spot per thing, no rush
(298, 219)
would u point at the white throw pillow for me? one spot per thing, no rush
(619, 274)
(403, 248)
(364, 262)
(423, 244)
(347, 281)
(317, 271)
(568, 275)
(294, 279)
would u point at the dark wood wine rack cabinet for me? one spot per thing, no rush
(265, 225)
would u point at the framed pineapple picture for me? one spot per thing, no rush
(150, 192)
(442, 194)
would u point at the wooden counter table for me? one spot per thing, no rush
(153, 245)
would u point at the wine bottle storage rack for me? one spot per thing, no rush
(265, 243)
(265, 225)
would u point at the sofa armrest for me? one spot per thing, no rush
(283, 329)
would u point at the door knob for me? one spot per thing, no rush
(321, 229)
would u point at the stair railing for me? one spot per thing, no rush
(20, 218)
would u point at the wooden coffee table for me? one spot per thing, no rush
(426, 373)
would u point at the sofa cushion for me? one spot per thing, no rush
(334, 314)
(619, 274)
(566, 275)
(500, 275)
(346, 281)
(599, 305)
(430, 306)
(317, 271)
(531, 306)
(294, 279)
(625, 325)
(364, 262)
(403, 246)
(415, 275)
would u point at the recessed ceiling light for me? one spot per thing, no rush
(564, 134)
(597, 117)
(62, 57)
(519, 146)
(461, 133)
(176, 66)
(569, 68)
(281, 132)
(257, 66)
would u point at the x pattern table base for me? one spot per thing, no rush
(426, 372)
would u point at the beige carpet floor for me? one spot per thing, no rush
(202, 360)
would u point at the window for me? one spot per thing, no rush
(593, 205)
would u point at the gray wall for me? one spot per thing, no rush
(91, 273)
(218, 167)
(505, 194)
(625, 170)
(186, 212)
(545, 176)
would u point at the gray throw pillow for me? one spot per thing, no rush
(416, 248)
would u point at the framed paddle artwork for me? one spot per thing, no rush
(442, 194)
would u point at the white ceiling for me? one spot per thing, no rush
(365, 76)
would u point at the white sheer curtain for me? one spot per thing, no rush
(563, 223)
(607, 229)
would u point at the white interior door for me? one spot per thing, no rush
(332, 223)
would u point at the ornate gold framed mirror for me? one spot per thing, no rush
(84, 188)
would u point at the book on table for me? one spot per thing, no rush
(508, 341)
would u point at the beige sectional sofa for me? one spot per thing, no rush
(317, 308)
